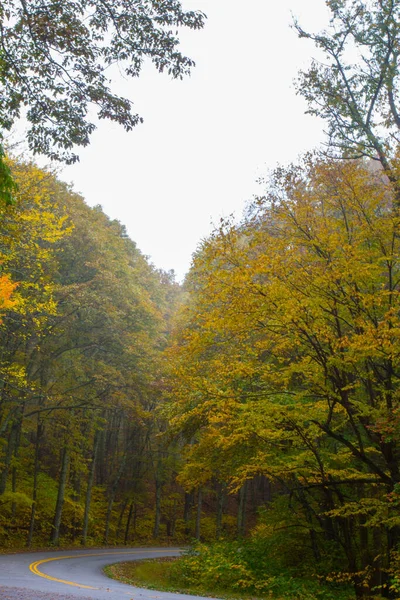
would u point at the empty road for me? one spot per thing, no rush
(70, 575)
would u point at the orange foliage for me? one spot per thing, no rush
(7, 287)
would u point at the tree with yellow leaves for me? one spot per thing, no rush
(286, 363)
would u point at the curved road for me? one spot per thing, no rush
(70, 575)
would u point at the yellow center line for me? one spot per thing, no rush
(33, 567)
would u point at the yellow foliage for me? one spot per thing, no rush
(286, 359)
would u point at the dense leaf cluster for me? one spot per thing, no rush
(286, 364)
(83, 321)
(56, 61)
(355, 86)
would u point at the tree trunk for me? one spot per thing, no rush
(76, 484)
(172, 521)
(187, 510)
(173, 524)
(220, 510)
(39, 432)
(379, 576)
(14, 468)
(128, 523)
(351, 554)
(89, 489)
(55, 534)
(8, 458)
(158, 482)
(198, 515)
(111, 498)
(157, 516)
(121, 516)
(135, 514)
(241, 515)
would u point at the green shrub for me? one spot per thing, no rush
(244, 567)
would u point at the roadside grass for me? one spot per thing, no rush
(157, 574)
(151, 573)
(162, 574)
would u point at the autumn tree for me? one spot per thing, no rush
(30, 227)
(285, 361)
(84, 318)
(102, 343)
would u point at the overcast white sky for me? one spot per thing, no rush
(205, 140)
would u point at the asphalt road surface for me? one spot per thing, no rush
(70, 575)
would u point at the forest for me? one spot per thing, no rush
(252, 412)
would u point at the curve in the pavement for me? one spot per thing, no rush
(45, 575)
(33, 567)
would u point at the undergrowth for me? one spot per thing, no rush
(227, 570)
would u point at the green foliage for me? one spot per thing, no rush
(355, 85)
(394, 582)
(19, 498)
(54, 59)
(247, 568)
(83, 322)
(281, 542)
(8, 186)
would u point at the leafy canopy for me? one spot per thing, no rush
(285, 362)
(355, 88)
(8, 186)
(54, 58)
